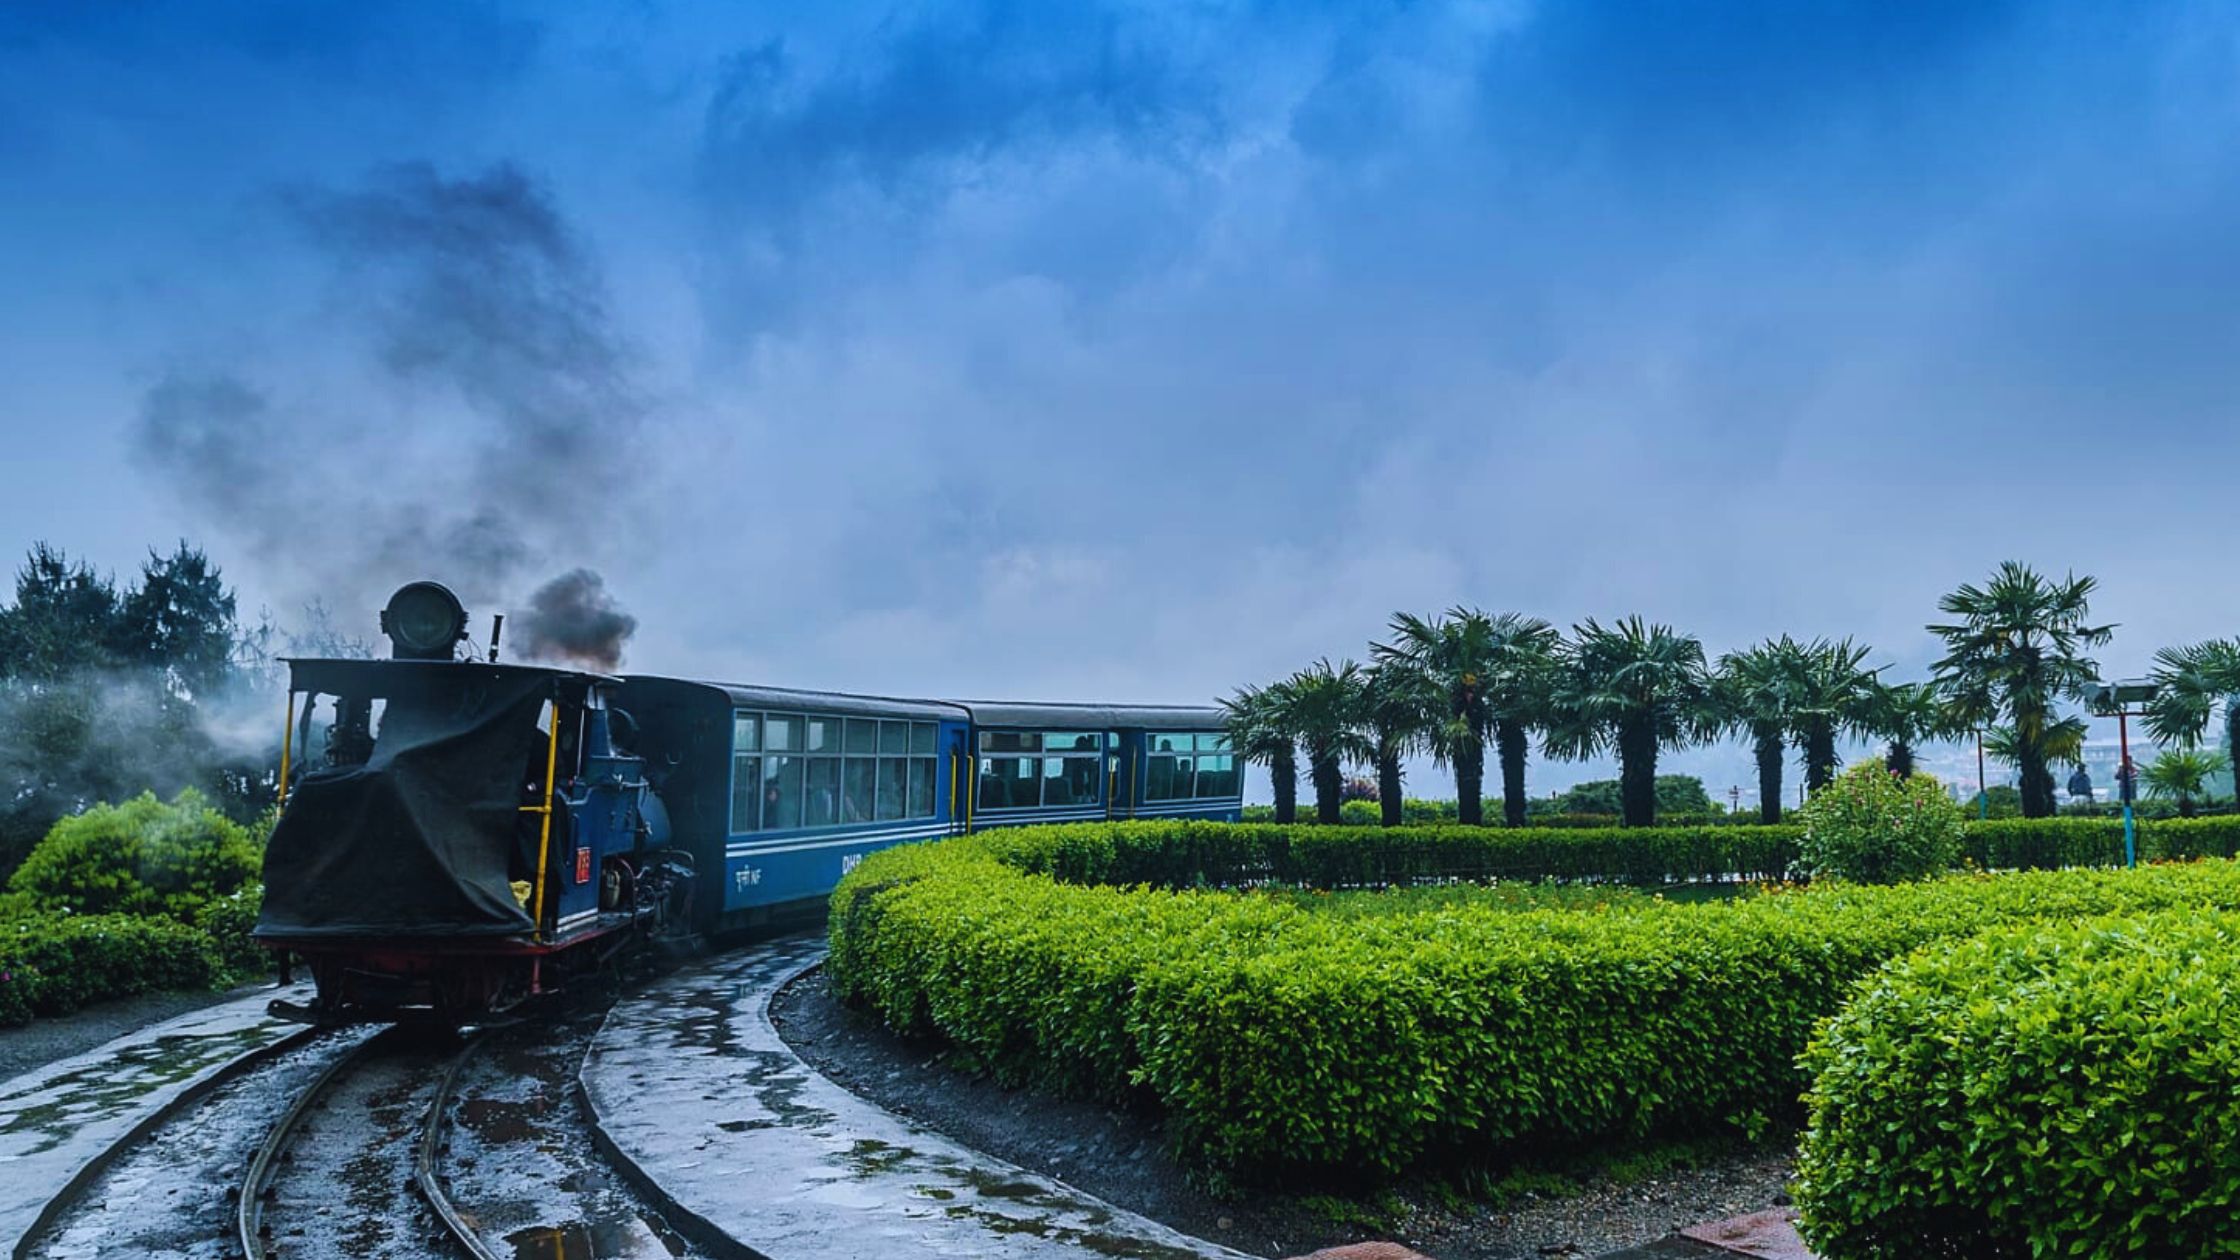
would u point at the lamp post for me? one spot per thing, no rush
(1983, 794)
(2115, 700)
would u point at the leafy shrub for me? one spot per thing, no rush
(1869, 826)
(228, 921)
(56, 965)
(144, 857)
(2044, 1090)
(1273, 1038)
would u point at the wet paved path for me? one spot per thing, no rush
(691, 1084)
(56, 1119)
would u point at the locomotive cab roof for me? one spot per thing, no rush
(362, 677)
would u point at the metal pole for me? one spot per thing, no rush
(288, 743)
(2128, 784)
(1983, 794)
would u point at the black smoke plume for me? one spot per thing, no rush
(573, 619)
(486, 389)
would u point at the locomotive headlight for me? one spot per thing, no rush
(424, 621)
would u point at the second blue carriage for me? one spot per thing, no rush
(799, 785)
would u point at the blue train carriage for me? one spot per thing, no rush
(1043, 763)
(784, 791)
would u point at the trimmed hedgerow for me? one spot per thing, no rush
(1182, 854)
(1177, 853)
(1276, 1038)
(52, 966)
(2054, 1089)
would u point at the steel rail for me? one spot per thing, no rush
(249, 1211)
(431, 1143)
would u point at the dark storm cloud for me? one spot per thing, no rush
(921, 110)
(500, 391)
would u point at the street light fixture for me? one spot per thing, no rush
(2115, 699)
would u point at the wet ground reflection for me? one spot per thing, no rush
(694, 1084)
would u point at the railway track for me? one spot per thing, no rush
(404, 1143)
(392, 1049)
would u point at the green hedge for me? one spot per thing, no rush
(2059, 1089)
(1677, 853)
(53, 966)
(1420, 813)
(1182, 854)
(1274, 1038)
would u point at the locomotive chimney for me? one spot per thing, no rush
(497, 624)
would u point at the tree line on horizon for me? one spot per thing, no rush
(1458, 684)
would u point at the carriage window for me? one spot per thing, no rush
(1217, 775)
(746, 771)
(781, 792)
(1069, 780)
(1213, 743)
(820, 806)
(1168, 777)
(921, 787)
(857, 789)
(892, 773)
(746, 788)
(1010, 782)
(814, 785)
(1010, 741)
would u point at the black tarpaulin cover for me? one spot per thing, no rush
(415, 842)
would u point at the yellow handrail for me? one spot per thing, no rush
(287, 745)
(544, 839)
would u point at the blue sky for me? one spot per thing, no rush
(1132, 351)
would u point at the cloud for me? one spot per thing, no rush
(1142, 350)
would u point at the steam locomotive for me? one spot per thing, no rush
(458, 835)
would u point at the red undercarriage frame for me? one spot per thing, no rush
(444, 980)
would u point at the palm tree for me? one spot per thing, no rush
(2182, 774)
(2016, 650)
(2058, 742)
(1526, 650)
(1323, 707)
(1399, 710)
(1252, 718)
(1755, 695)
(1452, 659)
(1632, 688)
(2191, 681)
(1905, 715)
(1831, 695)
(1490, 675)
